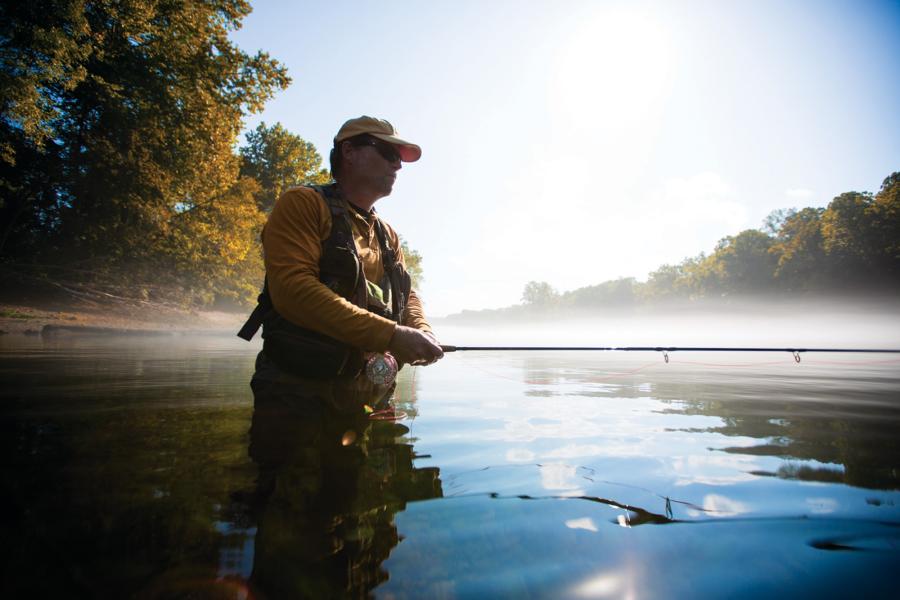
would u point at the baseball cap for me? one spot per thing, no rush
(381, 129)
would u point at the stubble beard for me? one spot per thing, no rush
(387, 184)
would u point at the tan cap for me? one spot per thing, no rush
(382, 130)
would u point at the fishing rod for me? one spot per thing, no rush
(666, 349)
(448, 348)
(383, 368)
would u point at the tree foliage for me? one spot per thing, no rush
(118, 170)
(800, 251)
(851, 245)
(539, 293)
(279, 159)
(609, 293)
(116, 139)
(886, 215)
(413, 261)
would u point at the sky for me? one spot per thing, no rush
(575, 142)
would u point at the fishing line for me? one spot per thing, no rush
(745, 365)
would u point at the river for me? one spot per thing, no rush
(126, 473)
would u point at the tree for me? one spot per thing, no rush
(704, 275)
(801, 260)
(41, 57)
(848, 235)
(539, 293)
(278, 159)
(214, 248)
(886, 217)
(747, 264)
(774, 221)
(413, 261)
(129, 134)
(614, 292)
(667, 281)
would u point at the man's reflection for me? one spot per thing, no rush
(330, 482)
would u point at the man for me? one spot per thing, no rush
(336, 295)
(311, 295)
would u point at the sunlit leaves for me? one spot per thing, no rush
(413, 261)
(128, 113)
(278, 159)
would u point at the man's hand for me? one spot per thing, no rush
(414, 347)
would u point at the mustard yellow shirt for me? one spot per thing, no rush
(292, 245)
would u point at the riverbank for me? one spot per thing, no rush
(22, 319)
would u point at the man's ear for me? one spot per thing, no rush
(347, 151)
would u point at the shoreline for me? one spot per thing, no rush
(27, 319)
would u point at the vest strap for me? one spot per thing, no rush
(395, 281)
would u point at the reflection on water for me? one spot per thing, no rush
(840, 412)
(329, 483)
(127, 471)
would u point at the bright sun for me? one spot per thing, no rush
(612, 77)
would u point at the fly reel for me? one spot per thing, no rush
(381, 369)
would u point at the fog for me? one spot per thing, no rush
(873, 324)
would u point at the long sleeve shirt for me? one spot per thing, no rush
(292, 245)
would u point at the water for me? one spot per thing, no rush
(126, 474)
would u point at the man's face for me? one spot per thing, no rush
(374, 163)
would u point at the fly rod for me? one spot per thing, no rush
(666, 349)
(382, 368)
(447, 348)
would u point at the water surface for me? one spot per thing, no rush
(126, 474)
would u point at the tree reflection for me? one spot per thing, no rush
(833, 416)
(853, 428)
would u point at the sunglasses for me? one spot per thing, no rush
(387, 151)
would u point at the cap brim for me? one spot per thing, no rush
(409, 152)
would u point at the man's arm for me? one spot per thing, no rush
(414, 315)
(413, 342)
(292, 246)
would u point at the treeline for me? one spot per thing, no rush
(850, 247)
(852, 244)
(120, 172)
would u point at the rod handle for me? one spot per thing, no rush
(447, 348)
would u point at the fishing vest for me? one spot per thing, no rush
(311, 354)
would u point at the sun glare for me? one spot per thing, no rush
(613, 71)
(609, 88)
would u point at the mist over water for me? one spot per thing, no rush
(874, 324)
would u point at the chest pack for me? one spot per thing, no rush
(307, 353)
